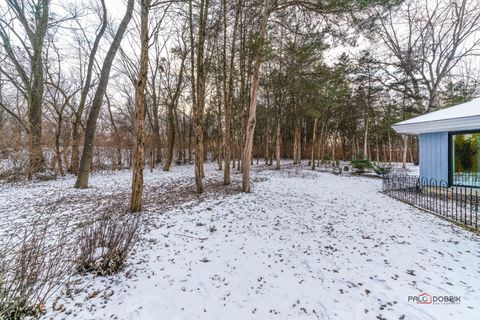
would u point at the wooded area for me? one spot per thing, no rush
(85, 88)
(242, 159)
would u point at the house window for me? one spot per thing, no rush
(465, 159)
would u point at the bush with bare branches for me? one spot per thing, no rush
(13, 165)
(33, 266)
(104, 245)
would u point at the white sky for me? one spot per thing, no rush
(116, 10)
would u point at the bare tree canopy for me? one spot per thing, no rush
(226, 81)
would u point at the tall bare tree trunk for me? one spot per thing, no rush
(58, 153)
(171, 112)
(33, 19)
(389, 148)
(405, 150)
(190, 131)
(76, 136)
(219, 137)
(365, 140)
(277, 142)
(139, 141)
(334, 144)
(117, 137)
(410, 152)
(170, 137)
(319, 146)
(267, 132)
(37, 160)
(87, 154)
(314, 138)
(35, 97)
(157, 141)
(298, 142)
(228, 89)
(184, 138)
(295, 142)
(247, 152)
(198, 88)
(266, 153)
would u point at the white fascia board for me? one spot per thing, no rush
(457, 124)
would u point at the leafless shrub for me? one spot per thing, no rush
(46, 175)
(13, 166)
(104, 245)
(33, 266)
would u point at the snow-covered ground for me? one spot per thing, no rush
(302, 245)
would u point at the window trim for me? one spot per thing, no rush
(450, 156)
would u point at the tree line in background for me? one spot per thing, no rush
(189, 81)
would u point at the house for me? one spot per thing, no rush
(449, 143)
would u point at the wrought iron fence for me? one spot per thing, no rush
(466, 179)
(456, 203)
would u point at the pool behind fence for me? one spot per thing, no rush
(456, 203)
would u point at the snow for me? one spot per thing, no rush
(468, 109)
(302, 245)
(98, 253)
(461, 117)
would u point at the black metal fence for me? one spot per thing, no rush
(459, 204)
(466, 179)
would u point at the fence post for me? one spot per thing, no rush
(456, 203)
(476, 209)
(471, 205)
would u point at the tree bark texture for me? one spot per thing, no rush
(87, 153)
(247, 152)
(136, 202)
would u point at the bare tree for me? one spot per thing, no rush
(87, 154)
(87, 84)
(436, 37)
(33, 17)
(247, 151)
(198, 81)
(139, 122)
(228, 82)
(59, 97)
(174, 86)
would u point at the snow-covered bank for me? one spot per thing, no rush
(302, 245)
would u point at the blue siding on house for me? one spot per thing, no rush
(434, 155)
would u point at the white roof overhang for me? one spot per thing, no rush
(459, 124)
(461, 117)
